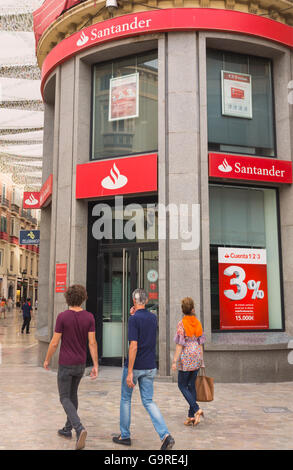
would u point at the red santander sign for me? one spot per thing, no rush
(31, 200)
(117, 176)
(46, 192)
(250, 168)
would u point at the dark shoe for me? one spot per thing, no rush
(80, 439)
(65, 433)
(168, 443)
(124, 442)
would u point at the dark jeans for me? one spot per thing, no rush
(68, 379)
(186, 384)
(26, 324)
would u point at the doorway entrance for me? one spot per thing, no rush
(122, 269)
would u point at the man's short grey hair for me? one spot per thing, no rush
(140, 296)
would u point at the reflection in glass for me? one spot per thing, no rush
(233, 134)
(133, 135)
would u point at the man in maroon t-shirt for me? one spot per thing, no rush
(74, 327)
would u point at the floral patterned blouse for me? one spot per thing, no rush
(190, 357)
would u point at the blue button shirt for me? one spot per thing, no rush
(142, 327)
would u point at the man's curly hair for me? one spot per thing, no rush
(75, 295)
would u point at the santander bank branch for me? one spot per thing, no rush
(168, 142)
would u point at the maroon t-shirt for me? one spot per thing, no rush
(74, 327)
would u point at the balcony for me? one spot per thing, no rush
(15, 208)
(4, 236)
(13, 240)
(23, 214)
(4, 202)
(31, 219)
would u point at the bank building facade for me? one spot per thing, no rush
(167, 165)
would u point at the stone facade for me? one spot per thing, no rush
(182, 108)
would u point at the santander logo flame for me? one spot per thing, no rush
(225, 167)
(31, 200)
(82, 40)
(115, 180)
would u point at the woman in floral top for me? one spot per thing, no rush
(189, 354)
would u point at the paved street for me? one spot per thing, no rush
(242, 416)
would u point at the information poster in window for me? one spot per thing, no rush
(124, 97)
(236, 95)
(243, 292)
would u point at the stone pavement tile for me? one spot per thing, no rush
(31, 414)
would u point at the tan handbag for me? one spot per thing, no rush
(204, 386)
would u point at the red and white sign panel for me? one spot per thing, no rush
(31, 200)
(250, 168)
(236, 95)
(124, 97)
(61, 276)
(243, 291)
(129, 175)
(46, 192)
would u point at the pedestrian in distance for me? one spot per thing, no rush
(26, 314)
(3, 307)
(140, 367)
(189, 339)
(9, 304)
(74, 327)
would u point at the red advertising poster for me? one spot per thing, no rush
(61, 275)
(241, 167)
(31, 200)
(243, 292)
(123, 102)
(117, 176)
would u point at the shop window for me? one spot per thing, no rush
(125, 106)
(244, 221)
(3, 224)
(11, 260)
(240, 104)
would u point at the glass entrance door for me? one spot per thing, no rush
(121, 271)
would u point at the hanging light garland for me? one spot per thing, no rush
(16, 16)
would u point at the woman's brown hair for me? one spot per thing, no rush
(75, 295)
(187, 305)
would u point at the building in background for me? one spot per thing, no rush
(21, 137)
(18, 263)
(182, 103)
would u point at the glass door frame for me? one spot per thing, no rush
(131, 253)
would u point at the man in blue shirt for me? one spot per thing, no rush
(26, 313)
(140, 366)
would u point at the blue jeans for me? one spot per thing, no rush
(186, 384)
(145, 379)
